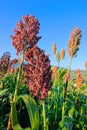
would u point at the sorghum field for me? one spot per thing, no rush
(34, 95)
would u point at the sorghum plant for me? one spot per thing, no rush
(35, 66)
(73, 43)
(73, 47)
(4, 62)
(25, 37)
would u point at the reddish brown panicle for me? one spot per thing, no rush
(13, 66)
(26, 33)
(37, 71)
(79, 79)
(4, 62)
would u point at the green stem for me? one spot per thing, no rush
(18, 76)
(63, 110)
(17, 86)
(44, 115)
(66, 84)
(58, 82)
(65, 91)
(70, 64)
(81, 111)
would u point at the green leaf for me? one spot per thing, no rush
(15, 122)
(84, 107)
(3, 92)
(71, 111)
(68, 122)
(63, 71)
(32, 112)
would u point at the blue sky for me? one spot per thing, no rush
(57, 19)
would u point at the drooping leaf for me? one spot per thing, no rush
(15, 122)
(71, 111)
(62, 72)
(33, 114)
(32, 110)
(3, 92)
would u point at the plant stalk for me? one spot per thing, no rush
(63, 111)
(44, 115)
(70, 64)
(18, 76)
(16, 90)
(65, 91)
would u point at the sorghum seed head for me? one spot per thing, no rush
(54, 48)
(37, 71)
(74, 41)
(79, 79)
(26, 33)
(62, 54)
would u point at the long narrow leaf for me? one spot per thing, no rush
(32, 112)
(15, 122)
(3, 92)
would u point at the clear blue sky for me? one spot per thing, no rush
(57, 19)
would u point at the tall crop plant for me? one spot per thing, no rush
(35, 67)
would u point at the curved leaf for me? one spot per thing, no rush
(62, 72)
(71, 111)
(3, 92)
(15, 122)
(32, 112)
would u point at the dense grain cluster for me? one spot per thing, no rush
(37, 72)
(26, 33)
(74, 41)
